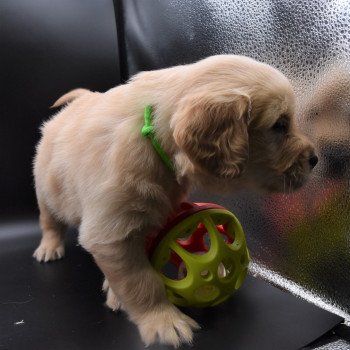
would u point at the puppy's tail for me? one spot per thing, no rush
(69, 97)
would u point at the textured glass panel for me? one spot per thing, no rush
(301, 240)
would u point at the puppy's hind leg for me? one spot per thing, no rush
(51, 246)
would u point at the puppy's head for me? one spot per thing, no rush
(236, 125)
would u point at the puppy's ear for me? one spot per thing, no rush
(212, 131)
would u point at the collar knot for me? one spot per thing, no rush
(147, 131)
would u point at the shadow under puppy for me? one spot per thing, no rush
(226, 123)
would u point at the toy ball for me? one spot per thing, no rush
(201, 255)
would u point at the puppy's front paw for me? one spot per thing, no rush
(166, 324)
(49, 251)
(111, 299)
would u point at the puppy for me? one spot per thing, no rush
(226, 123)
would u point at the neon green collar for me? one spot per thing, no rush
(148, 131)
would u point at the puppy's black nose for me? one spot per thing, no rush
(313, 160)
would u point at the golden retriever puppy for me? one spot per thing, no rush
(225, 123)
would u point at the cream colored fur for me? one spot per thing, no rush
(93, 169)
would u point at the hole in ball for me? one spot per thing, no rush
(174, 268)
(225, 268)
(205, 274)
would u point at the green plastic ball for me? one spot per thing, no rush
(203, 259)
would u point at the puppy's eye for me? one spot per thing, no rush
(282, 125)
